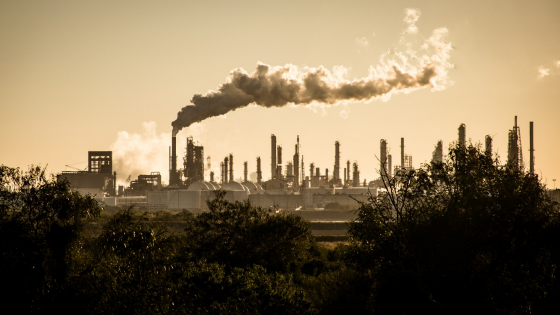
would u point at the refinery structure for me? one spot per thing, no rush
(291, 184)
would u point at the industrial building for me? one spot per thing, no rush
(289, 187)
(99, 179)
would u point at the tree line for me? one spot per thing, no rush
(455, 237)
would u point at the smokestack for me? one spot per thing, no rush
(173, 180)
(390, 162)
(463, 134)
(226, 162)
(296, 165)
(279, 149)
(273, 156)
(488, 145)
(348, 171)
(259, 173)
(326, 175)
(531, 149)
(336, 173)
(212, 176)
(245, 171)
(302, 175)
(356, 176)
(383, 158)
(402, 153)
(231, 179)
(174, 153)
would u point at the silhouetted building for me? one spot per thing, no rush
(99, 179)
(193, 165)
(515, 153)
(143, 184)
(437, 155)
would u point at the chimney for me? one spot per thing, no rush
(463, 132)
(488, 145)
(245, 171)
(272, 156)
(383, 158)
(296, 166)
(173, 180)
(390, 164)
(348, 171)
(226, 162)
(279, 162)
(531, 149)
(231, 179)
(259, 173)
(336, 172)
(402, 153)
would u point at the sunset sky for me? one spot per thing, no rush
(78, 76)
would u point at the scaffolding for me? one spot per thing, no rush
(515, 152)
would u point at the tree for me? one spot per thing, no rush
(41, 221)
(241, 235)
(126, 270)
(460, 236)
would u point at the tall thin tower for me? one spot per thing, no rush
(515, 155)
(531, 149)
(402, 153)
(272, 156)
(336, 172)
(259, 172)
(437, 155)
(383, 158)
(488, 145)
(462, 135)
(296, 165)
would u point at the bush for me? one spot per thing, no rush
(463, 236)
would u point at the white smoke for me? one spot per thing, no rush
(146, 152)
(135, 154)
(411, 17)
(361, 43)
(277, 86)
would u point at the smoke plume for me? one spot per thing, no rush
(135, 154)
(278, 86)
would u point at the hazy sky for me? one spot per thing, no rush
(112, 75)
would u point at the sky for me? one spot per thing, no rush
(78, 76)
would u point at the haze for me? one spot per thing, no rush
(78, 76)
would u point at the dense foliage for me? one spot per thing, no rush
(463, 236)
(459, 237)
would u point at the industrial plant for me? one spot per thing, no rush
(288, 187)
